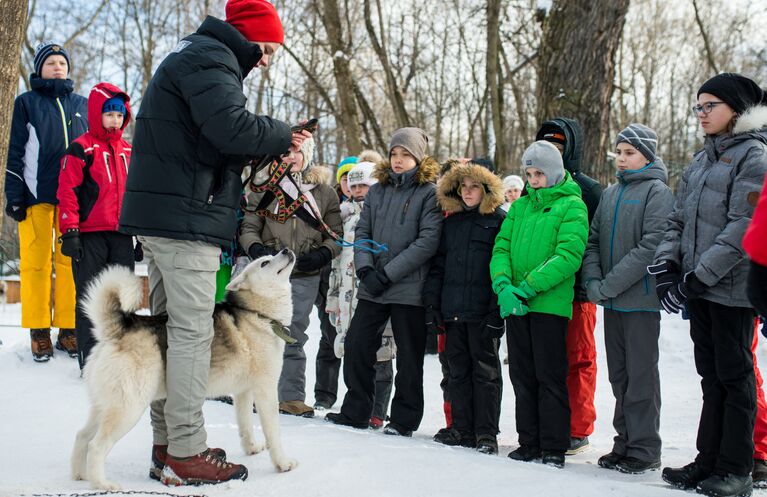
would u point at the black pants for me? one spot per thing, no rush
(757, 287)
(475, 378)
(100, 249)
(327, 364)
(363, 340)
(722, 336)
(538, 371)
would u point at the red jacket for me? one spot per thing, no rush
(94, 169)
(755, 241)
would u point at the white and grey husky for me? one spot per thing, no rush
(126, 370)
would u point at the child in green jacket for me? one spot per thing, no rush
(535, 257)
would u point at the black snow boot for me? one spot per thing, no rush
(634, 466)
(728, 485)
(552, 458)
(487, 444)
(339, 418)
(526, 453)
(759, 474)
(609, 461)
(453, 437)
(686, 477)
(397, 430)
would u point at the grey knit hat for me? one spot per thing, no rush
(641, 138)
(546, 157)
(414, 140)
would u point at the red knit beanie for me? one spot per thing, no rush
(256, 20)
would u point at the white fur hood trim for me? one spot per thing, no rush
(753, 119)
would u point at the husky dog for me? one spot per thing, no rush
(126, 370)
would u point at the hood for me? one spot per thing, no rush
(751, 125)
(574, 140)
(654, 170)
(447, 189)
(426, 172)
(317, 175)
(543, 196)
(100, 94)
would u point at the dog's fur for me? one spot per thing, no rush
(126, 370)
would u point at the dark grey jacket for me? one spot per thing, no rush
(713, 208)
(401, 211)
(626, 229)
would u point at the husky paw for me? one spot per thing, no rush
(106, 485)
(284, 464)
(253, 447)
(78, 476)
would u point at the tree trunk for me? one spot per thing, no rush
(576, 68)
(494, 80)
(13, 23)
(347, 103)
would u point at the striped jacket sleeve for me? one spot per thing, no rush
(14, 173)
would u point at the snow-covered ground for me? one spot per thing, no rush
(43, 405)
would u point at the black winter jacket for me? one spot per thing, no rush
(46, 120)
(459, 281)
(194, 136)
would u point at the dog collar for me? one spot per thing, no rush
(282, 332)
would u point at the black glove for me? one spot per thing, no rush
(375, 282)
(138, 252)
(17, 212)
(70, 244)
(677, 295)
(258, 250)
(313, 260)
(435, 325)
(666, 275)
(493, 325)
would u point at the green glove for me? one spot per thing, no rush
(500, 283)
(511, 304)
(525, 290)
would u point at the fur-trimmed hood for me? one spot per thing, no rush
(426, 172)
(318, 175)
(447, 189)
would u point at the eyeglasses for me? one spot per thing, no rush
(705, 109)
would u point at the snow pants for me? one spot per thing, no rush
(760, 425)
(582, 368)
(293, 377)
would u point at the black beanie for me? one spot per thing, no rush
(737, 91)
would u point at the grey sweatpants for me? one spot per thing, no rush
(182, 282)
(293, 378)
(631, 341)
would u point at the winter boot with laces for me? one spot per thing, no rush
(686, 477)
(42, 348)
(160, 453)
(759, 474)
(67, 341)
(727, 485)
(610, 460)
(634, 466)
(201, 469)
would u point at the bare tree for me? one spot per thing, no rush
(494, 78)
(576, 67)
(13, 22)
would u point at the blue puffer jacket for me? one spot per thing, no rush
(45, 121)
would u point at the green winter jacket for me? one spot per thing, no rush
(542, 241)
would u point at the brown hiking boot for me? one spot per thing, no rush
(42, 348)
(202, 469)
(67, 341)
(160, 452)
(296, 408)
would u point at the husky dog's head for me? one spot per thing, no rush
(265, 285)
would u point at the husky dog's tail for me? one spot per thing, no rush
(115, 292)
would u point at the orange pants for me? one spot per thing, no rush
(582, 373)
(760, 425)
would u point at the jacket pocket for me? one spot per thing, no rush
(484, 232)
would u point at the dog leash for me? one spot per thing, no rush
(362, 244)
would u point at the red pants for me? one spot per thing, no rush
(582, 374)
(760, 426)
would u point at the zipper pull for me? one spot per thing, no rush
(210, 199)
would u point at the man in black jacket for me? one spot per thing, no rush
(567, 136)
(193, 137)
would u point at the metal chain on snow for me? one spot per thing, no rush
(114, 492)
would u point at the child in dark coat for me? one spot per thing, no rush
(459, 297)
